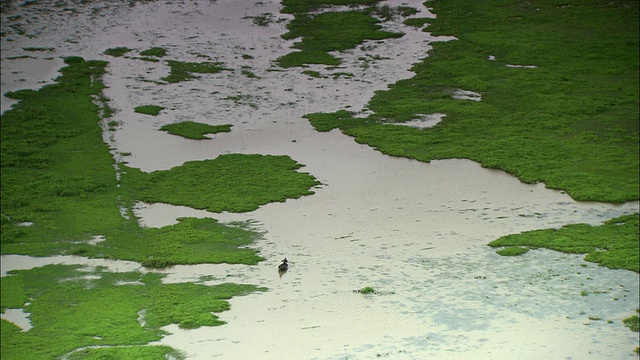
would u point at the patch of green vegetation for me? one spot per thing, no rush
(367, 290)
(71, 309)
(231, 182)
(632, 322)
(330, 31)
(181, 71)
(571, 122)
(304, 6)
(248, 73)
(194, 130)
(416, 22)
(18, 57)
(145, 58)
(261, 20)
(338, 75)
(152, 110)
(190, 241)
(55, 164)
(117, 51)
(512, 251)
(142, 352)
(154, 51)
(20, 94)
(613, 244)
(314, 74)
(58, 174)
(247, 56)
(38, 49)
(406, 10)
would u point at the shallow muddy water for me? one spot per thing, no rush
(415, 232)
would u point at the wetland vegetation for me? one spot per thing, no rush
(152, 110)
(570, 122)
(60, 187)
(122, 311)
(613, 244)
(194, 130)
(60, 191)
(181, 71)
(329, 31)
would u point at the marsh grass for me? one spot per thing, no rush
(194, 130)
(152, 110)
(58, 174)
(117, 51)
(69, 310)
(181, 71)
(613, 244)
(154, 51)
(367, 290)
(571, 122)
(230, 182)
(305, 6)
(632, 322)
(513, 251)
(142, 352)
(328, 32)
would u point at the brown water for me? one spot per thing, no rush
(415, 232)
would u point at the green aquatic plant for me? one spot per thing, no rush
(194, 130)
(152, 110)
(613, 244)
(569, 120)
(327, 32)
(304, 6)
(20, 94)
(154, 51)
(181, 71)
(513, 251)
(632, 322)
(62, 190)
(71, 308)
(230, 182)
(117, 51)
(367, 290)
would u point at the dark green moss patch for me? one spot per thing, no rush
(141, 352)
(117, 52)
(55, 165)
(20, 94)
(70, 309)
(152, 110)
(154, 51)
(512, 251)
(366, 290)
(570, 122)
(190, 241)
(194, 130)
(633, 323)
(231, 182)
(613, 244)
(303, 6)
(181, 71)
(58, 175)
(330, 31)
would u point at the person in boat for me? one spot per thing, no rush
(284, 266)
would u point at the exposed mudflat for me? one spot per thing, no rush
(415, 232)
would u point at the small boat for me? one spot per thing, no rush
(284, 266)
